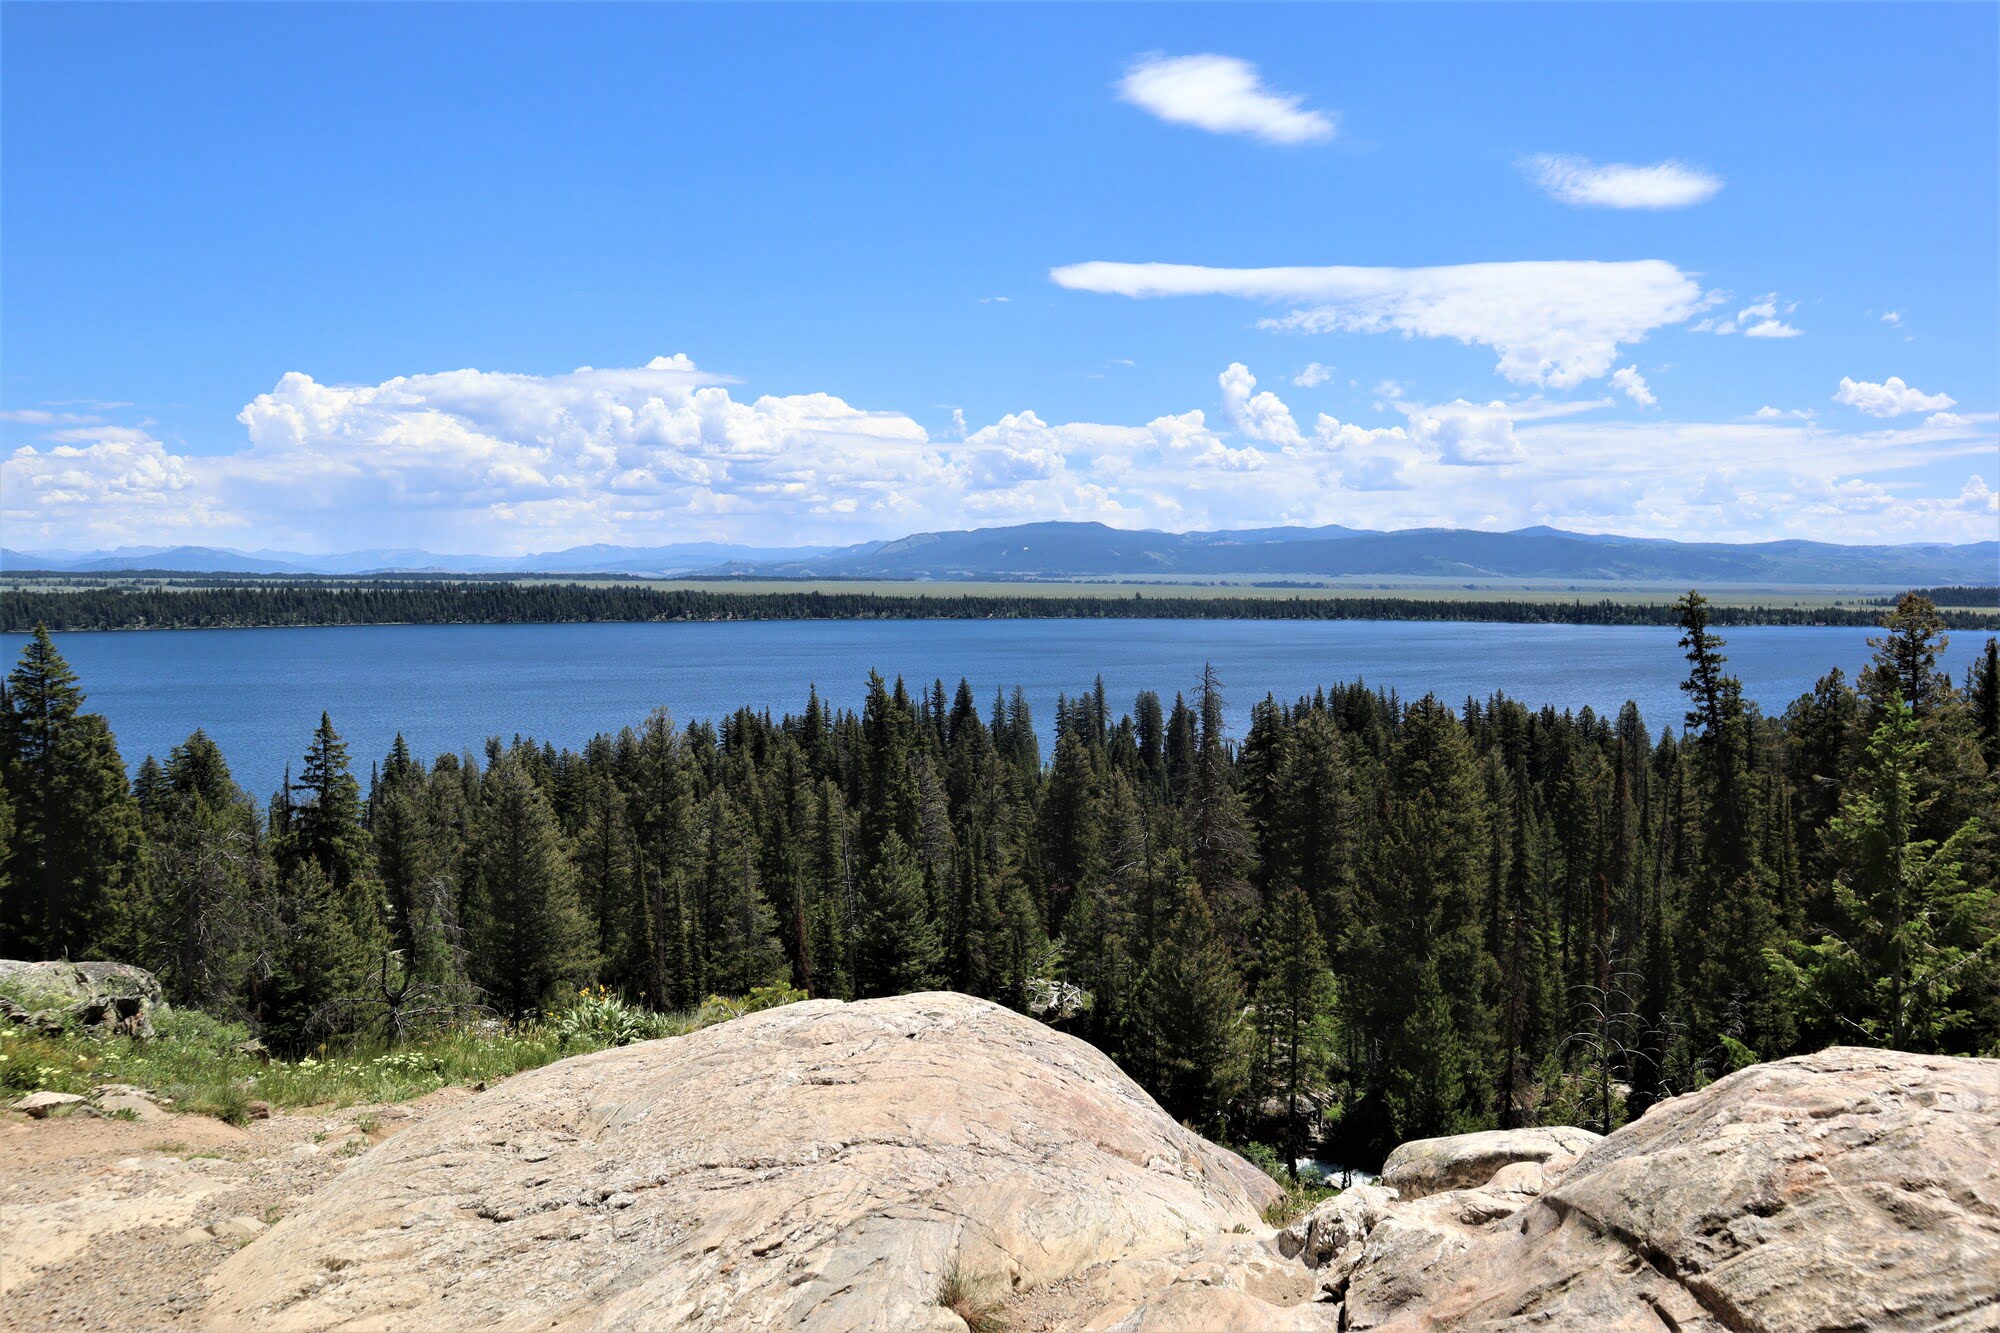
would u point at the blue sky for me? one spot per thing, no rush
(335, 270)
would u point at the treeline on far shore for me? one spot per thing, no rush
(483, 602)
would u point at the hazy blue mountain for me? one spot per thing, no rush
(1069, 550)
(673, 559)
(1092, 550)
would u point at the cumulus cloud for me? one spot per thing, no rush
(1554, 323)
(1628, 381)
(1578, 180)
(1223, 95)
(1467, 436)
(1312, 376)
(485, 461)
(1893, 318)
(1261, 416)
(1891, 398)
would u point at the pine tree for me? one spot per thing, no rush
(1433, 1086)
(419, 867)
(204, 873)
(1912, 934)
(72, 861)
(1528, 971)
(896, 943)
(1219, 847)
(1295, 1008)
(660, 809)
(737, 929)
(830, 901)
(1906, 657)
(326, 810)
(1422, 911)
(1317, 820)
(1983, 694)
(1196, 1037)
(315, 967)
(533, 940)
(1730, 917)
(608, 881)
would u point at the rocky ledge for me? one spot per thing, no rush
(822, 1165)
(1844, 1190)
(899, 1164)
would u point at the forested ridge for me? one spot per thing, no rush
(1364, 920)
(474, 602)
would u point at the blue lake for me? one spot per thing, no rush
(259, 692)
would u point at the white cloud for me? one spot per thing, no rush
(1893, 318)
(1759, 320)
(1554, 323)
(1891, 398)
(1261, 416)
(1312, 376)
(1223, 95)
(35, 416)
(1578, 180)
(1771, 328)
(482, 461)
(1769, 413)
(1467, 435)
(1628, 381)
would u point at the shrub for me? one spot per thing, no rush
(209, 1066)
(596, 1018)
(971, 1299)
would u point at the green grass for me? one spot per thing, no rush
(1300, 1197)
(194, 1061)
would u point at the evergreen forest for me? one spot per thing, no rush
(202, 602)
(1363, 920)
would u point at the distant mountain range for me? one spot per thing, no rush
(1092, 550)
(680, 558)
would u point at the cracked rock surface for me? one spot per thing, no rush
(825, 1166)
(1851, 1189)
(819, 1165)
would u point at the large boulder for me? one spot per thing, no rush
(1848, 1189)
(102, 998)
(1467, 1161)
(822, 1165)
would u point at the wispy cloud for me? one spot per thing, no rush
(1579, 181)
(1312, 376)
(1758, 320)
(35, 416)
(1554, 323)
(1223, 95)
